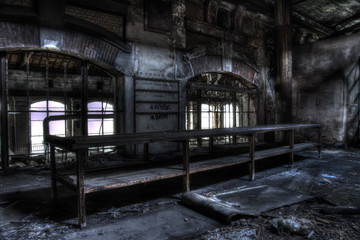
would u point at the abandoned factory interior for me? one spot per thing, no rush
(179, 119)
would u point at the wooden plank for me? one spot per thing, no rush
(138, 138)
(109, 180)
(217, 163)
(271, 152)
(302, 146)
(96, 181)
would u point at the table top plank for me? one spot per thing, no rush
(84, 142)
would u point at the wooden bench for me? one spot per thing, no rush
(98, 181)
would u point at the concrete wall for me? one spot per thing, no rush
(325, 86)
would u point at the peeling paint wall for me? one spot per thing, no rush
(325, 87)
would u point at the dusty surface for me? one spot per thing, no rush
(155, 211)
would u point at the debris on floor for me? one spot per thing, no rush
(154, 211)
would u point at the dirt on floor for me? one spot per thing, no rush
(155, 210)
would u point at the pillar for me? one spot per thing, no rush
(283, 81)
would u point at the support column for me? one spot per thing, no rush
(4, 113)
(84, 99)
(283, 82)
(129, 108)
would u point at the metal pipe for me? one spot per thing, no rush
(4, 112)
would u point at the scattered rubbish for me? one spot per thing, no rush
(328, 176)
(310, 234)
(211, 207)
(299, 226)
(327, 181)
(33, 163)
(324, 221)
(234, 234)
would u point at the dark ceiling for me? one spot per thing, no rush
(325, 18)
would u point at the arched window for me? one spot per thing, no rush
(39, 111)
(218, 100)
(103, 126)
(41, 84)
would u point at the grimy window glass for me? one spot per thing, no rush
(216, 100)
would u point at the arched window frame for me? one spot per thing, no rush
(224, 101)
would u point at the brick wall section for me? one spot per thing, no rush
(111, 22)
(22, 3)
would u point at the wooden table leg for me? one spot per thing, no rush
(54, 193)
(186, 178)
(252, 157)
(211, 144)
(80, 165)
(291, 146)
(146, 152)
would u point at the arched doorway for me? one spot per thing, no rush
(220, 100)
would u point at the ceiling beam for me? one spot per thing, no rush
(353, 28)
(346, 21)
(306, 22)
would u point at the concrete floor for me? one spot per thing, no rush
(155, 210)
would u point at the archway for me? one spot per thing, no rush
(221, 100)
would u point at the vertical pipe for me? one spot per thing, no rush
(180, 126)
(47, 84)
(65, 95)
(47, 89)
(28, 103)
(116, 106)
(233, 102)
(102, 112)
(4, 112)
(84, 99)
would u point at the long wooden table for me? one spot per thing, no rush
(96, 181)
